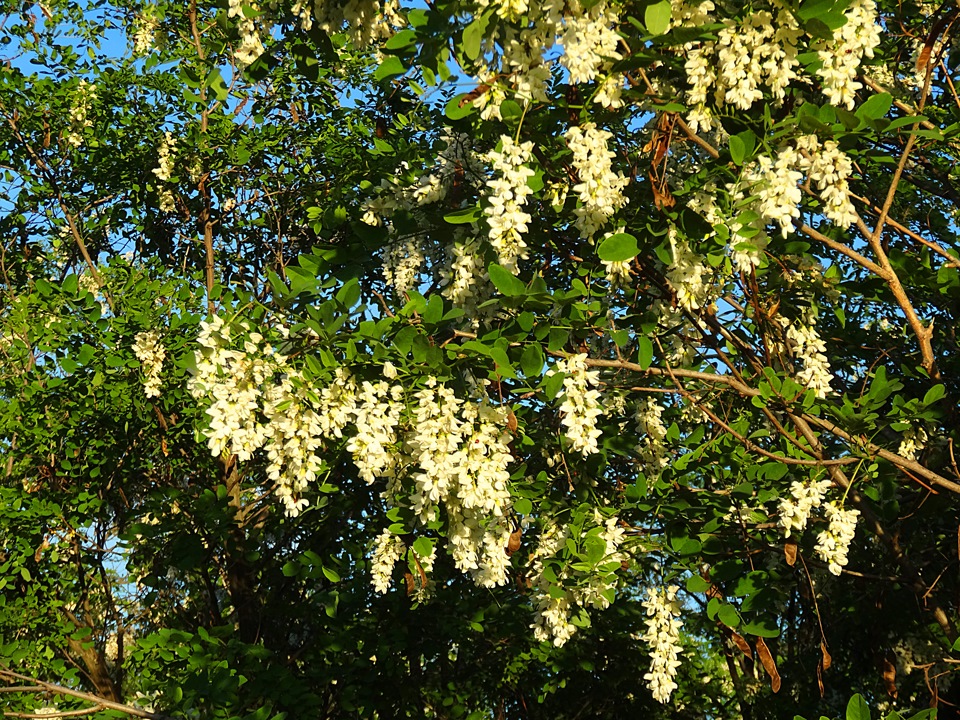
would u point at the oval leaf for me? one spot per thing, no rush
(618, 248)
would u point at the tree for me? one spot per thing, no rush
(482, 359)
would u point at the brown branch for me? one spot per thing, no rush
(915, 580)
(950, 259)
(747, 391)
(69, 692)
(841, 248)
(924, 334)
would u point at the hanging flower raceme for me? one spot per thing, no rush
(600, 189)
(834, 542)
(509, 192)
(795, 511)
(387, 549)
(663, 637)
(151, 353)
(581, 403)
(83, 99)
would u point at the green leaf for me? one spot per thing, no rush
(645, 353)
(737, 150)
(423, 546)
(656, 17)
(761, 628)
(504, 281)
(390, 66)
(349, 294)
(875, 107)
(504, 366)
(618, 248)
(402, 40)
(857, 709)
(522, 506)
(510, 111)
(697, 584)
(595, 548)
(934, 394)
(459, 107)
(473, 35)
(434, 312)
(461, 217)
(729, 616)
(331, 574)
(532, 360)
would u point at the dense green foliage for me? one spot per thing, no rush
(641, 348)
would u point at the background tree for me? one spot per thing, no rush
(493, 359)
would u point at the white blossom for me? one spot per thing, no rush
(914, 440)
(795, 511)
(600, 189)
(589, 42)
(834, 542)
(82, 103)
(508, 194)
(663, 637)
(581, 403)
(387, 549)
(151, 353)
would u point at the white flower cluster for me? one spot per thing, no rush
(840, 57)
(294, 439)
(251, 43)
(590, 43)
(151, 353)
(462, 457)
(83, 99)
(164, 171)
(761, 53)
(663, 637)
(111, 649)
(464, 280)
(256, 400)
(829, 167)
(551, 622)
(402, 260)
(455, 161)
(588, 38)
(233, 380)
(914, 440)
(86, 282)
(653, 453)
(688, 276)
(507, 9)
(834, 542)
(509, 192)
(145, 26)
(165, 157)
(378, 410)
(618, 272)
(795, 510)
(776, 183)
(365, 22)
(581, 403)
(387, 549)
(600, 189)
(806, 345)
(758, 52)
